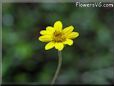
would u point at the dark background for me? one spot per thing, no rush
(88, 61)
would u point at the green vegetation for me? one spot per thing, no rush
(88, 61)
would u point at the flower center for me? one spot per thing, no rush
(59, 37)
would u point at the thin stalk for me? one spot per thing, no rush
(58, 67)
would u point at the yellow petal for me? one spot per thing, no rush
(73, 35)
(59, 46)
(49, 28)
(43, 32)
(68, 30)
(49, 45)
(45, 38)
(58, 26)
(69, 42)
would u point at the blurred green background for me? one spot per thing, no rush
(88, 61)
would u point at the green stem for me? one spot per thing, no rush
(58, 67)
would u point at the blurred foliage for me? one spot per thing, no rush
(88, 61)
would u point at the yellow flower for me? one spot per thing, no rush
(58, 37)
